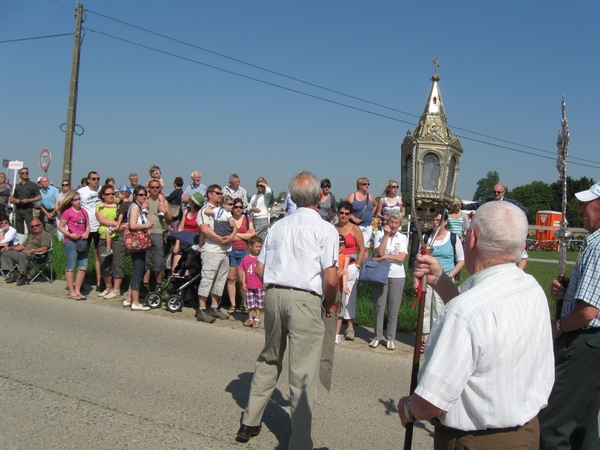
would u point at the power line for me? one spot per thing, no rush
(323, 87)
(36, 37)
(316, 96)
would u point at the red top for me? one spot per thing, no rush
(243, 228)
(191, 224)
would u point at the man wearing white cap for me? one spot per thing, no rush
(570, 420)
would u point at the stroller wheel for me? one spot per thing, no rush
(174, 303)
(154, 300)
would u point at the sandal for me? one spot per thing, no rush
(231, 310)
(244, 310)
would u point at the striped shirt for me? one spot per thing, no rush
(585, 280)
(297, 249)
(489, 361)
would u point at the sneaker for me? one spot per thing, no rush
(104, 292)
(217, 313)
(248, 323)
(126, 304)
(196, 248)
(338, 338)
(390, 345)
(202, 316)
(107, 252)
(22, 280)
(110, 295)
(374, 343)
(350, 334)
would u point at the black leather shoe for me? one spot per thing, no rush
(245, 432)
(12, 276)
(22, 280)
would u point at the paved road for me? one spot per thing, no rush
(93, 375)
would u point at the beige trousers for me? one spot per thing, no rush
(294, 317)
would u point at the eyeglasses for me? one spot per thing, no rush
(23, 173)
(142, 195)
(394, 187)
(343, 213)
(154, 187)
(95, 179)
(238, 207)
(326, 186)
(66, 184)
(215, 192)
(109, 193)
(365, 184)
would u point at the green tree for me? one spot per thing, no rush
(536, 196)
(485, 186)
(573, 216)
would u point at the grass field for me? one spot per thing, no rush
(543, 272)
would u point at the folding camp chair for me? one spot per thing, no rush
(40, 262)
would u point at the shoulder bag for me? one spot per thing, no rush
(374, 272)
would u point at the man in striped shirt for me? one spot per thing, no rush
(488, 362)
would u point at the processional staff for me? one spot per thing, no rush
(562, 234)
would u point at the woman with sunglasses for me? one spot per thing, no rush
(8, 235)
(137, 222)
(189, 222)
(111, 255)
(259, 207)
(239, 249)
(75, 226)
(390, 201)
(364, 206)
(64, 190)
(356, 251)
(327, 206)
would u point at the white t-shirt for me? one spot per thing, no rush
(89, 200)
(395, 245)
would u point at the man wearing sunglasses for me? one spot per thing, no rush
(89, 200)
(499, 196)
(26, 194)
(38, 241)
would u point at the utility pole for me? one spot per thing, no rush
(72, 108)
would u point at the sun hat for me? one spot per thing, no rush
(197, 198)
(591, 194)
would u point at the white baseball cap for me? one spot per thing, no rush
(591, 194)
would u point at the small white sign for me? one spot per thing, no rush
(15, 165)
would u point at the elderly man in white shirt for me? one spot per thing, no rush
(298, 267)
(488, 367)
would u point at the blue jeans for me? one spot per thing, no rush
(138, 267)
(74, 257)
(236, 256)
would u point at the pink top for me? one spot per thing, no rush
(76, 221)
(248, 265)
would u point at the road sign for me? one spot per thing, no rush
(45, 159)
(15, 165)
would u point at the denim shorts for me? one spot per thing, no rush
(74, 257)
(236, 256)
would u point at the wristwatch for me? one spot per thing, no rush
(408, 412)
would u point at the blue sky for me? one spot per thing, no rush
(504, 68)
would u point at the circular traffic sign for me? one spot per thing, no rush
(45, 159)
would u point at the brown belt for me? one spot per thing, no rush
(277, 286)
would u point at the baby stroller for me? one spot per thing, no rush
(181, 284)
